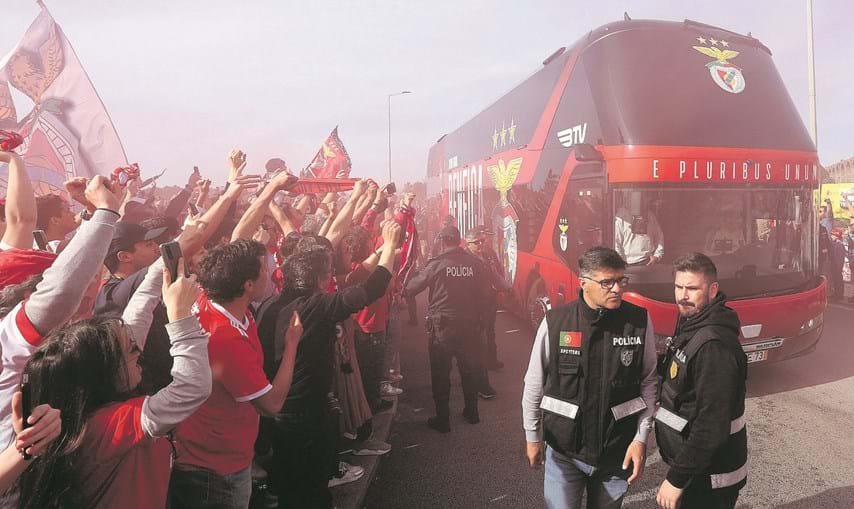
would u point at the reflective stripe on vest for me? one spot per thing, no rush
(628, 408)
(560, 407)
(729, 478)
(678, 423)
(667, 417)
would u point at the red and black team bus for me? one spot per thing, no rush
(682, 134)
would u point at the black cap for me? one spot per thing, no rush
(450, 233)
(472, 235)
(127, 234)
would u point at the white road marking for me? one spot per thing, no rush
(496, 499)
(411, 446)
(512, 330)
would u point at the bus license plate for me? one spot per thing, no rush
(761, 355)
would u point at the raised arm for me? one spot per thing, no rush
(345, 217)
(282, 219)
(139, 312)
(67, 279)
(191, 371)
(253, 216)
(20, 204)
(221, 208)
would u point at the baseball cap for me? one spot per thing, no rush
(472, 235)
(127, 234)
(450, 233)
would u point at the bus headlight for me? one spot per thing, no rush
(811, 324)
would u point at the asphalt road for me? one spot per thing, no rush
(800, 415)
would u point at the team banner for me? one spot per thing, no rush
(331, 161)
(68, 132)
(322, 186)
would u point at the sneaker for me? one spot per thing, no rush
(487, 393)
(348, 435)
(347, 473)
(371, 448)
(441, 427)
(388, 389)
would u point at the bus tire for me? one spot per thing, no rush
(538, 303)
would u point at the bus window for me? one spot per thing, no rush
(762, 241)
(580, 224)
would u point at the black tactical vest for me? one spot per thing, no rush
(678, 409)
(591, 399)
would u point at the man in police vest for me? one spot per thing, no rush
(455, 315)
(592, 373)
(700, 431)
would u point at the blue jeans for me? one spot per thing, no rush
(204, 489)
(567, 478)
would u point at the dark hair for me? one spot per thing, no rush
(289, 244)
(598, 258)
(356, 241)
(302, 270)
(311, 224)
(697, 263)
(12, 295)
(48, 207)
(224, 270)
(75, 371)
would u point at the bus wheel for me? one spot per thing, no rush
(538, 303)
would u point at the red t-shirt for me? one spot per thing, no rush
(374, 317)
(118, 464)
(221, 434)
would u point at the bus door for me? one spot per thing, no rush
(581, 222)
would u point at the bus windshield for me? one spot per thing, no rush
(762, 241)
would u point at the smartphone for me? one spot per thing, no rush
(26, 407)
(41, 240)
(391, 188)
(193, 209)
(171, 253)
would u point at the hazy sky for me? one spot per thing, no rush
(185, 81)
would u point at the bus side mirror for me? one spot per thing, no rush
(586, 152)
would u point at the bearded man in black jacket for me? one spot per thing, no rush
(701, 429)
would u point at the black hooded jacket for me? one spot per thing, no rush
(709, 393)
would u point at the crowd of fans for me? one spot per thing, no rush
(262, 358)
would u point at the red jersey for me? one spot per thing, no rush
(221, 434)
(374, 317)
(118, 464)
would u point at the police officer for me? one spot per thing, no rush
(701, 432)
(458, 285)
(479, 243)
(590, 389)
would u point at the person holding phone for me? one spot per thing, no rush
(33, 434)
(115, 449)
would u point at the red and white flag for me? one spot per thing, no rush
(68, 133)
(331, 161)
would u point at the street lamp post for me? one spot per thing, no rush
(389, 129)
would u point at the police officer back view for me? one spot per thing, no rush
(592, 373)
(458, 285)
(701, 432)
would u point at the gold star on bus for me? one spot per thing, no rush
(512, 130)
(503, 135)
(714, 42)
(725, 44)
(495, 139)
(701, 40)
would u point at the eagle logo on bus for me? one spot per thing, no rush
(724, 74)
(504, 216)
